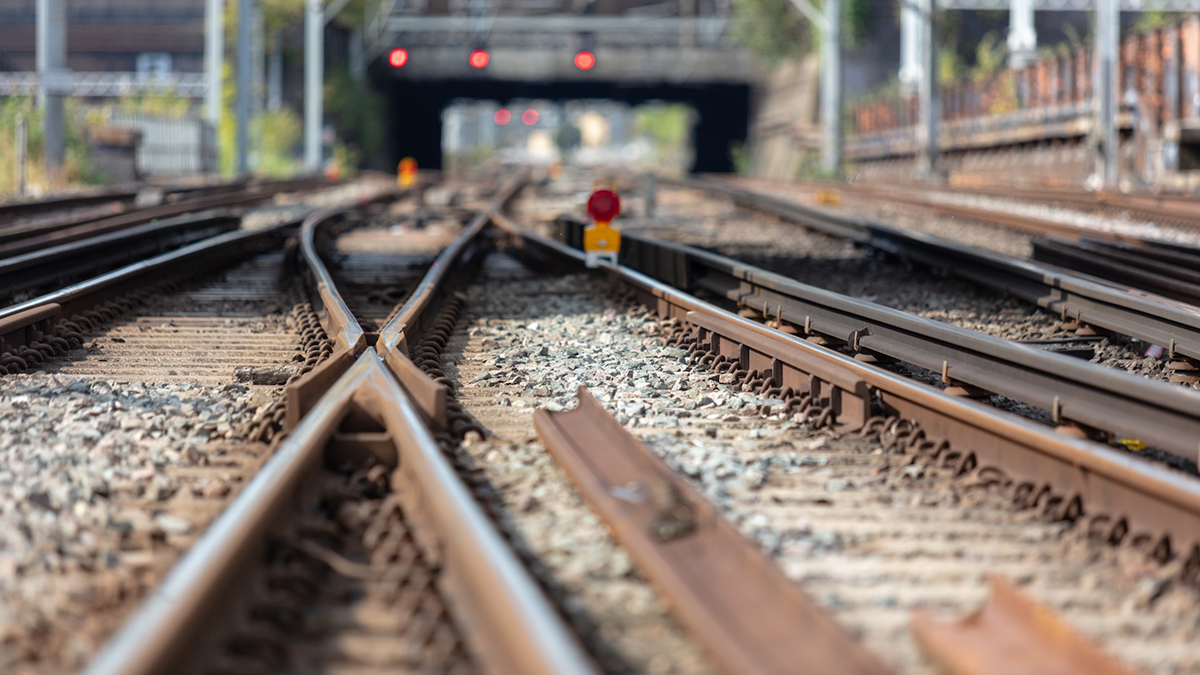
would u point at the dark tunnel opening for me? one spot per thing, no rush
(414, 112)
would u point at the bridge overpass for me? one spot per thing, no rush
(644, 50)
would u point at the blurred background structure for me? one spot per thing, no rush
(117, 90)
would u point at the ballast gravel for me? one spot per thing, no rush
(871, 535)
(89, 471)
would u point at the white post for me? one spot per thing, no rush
(214, 58)
(53, 81)
(910, 47)
(1022, 37)
(245, 18)
(1108, 23)
(314, 77)
(831, 89)
(930, 105)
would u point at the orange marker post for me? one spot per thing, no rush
(406, 173)
(602, 243)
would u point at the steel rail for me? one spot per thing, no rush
(1113, 492)
(66, 263)
(1010, 635)
(132, 218)
(14, 210)
(1152, 319)
(512, 625)
(1124, 265)
(418, 311)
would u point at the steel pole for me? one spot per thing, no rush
(910, 48)
(214, 57)
(1108, 23)
(831, 89)
(22, 149)
(53, 81)
(244, 49)
(930, 104)
(314, 76)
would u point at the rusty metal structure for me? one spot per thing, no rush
(1050, 101)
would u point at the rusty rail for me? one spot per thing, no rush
(420, 309)
(66, 263)
(1011, 635)
(1157, 321)
(1141, 267)
(512, 624)
(721, 586)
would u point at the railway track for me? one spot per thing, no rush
(409, 516)
(1083, 299)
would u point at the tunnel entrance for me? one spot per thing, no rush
(414, 112)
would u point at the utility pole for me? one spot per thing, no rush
(245, 17)
(314, 76)
(930, 104)
(54, 82)
(829, 24)
(214, 53)
(831, 89)
(258, 83)
(1108, 26)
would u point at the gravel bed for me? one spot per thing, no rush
(93, 475)
(870, 534)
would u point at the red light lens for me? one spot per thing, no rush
(398, 58)
(585, 60)
(479, 58)
(502, 117)
(529, 117)
(604, 205)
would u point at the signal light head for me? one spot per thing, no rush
(529, 117)
(604, 205)
(585, 60)
(398, 57)
(479, 58)
(502, 116)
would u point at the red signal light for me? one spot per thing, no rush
(529, 117)
(502, 116)
(585, 60)
(398, 57)
(479, 58)
(604, 205)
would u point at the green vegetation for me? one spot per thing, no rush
(774, 30)
(665, 125)
(771, 29)
(354, 108)
(76, 165)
